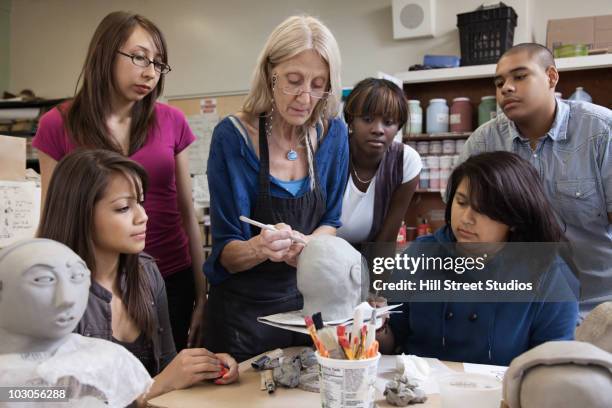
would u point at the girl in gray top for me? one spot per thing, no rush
(94, 206)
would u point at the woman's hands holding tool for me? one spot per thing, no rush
(376, 302)
(294, 251)
(280, 245)
(384, 336)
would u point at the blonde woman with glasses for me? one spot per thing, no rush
(282, 161)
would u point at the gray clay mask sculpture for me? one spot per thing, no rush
(44, 289)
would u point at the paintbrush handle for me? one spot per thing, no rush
(269, 228)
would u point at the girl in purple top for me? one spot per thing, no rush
(116, 109)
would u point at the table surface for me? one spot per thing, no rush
(246, 393)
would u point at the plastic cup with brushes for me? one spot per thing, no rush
(348, 361)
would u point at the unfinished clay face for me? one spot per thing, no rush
(329, 276)
(559, 374)
(44, 289)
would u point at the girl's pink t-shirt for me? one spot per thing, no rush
(166, 239)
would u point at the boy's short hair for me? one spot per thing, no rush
(535, 51)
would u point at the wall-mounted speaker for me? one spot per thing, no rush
(413, 18)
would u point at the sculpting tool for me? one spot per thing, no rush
(371, 335)
(269, 228)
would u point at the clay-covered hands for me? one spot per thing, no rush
(296, 248)
(280, 245)
(376, 302)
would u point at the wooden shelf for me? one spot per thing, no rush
(24, 133)
(591, 72)
(427, 191)
(438, 154)
(41, 103)
(488, 71)
(427, 137)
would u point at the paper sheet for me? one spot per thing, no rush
(296, 318)
(19, 211)
(202, 127)
(494, 370)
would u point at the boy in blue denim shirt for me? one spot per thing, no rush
(570, 146)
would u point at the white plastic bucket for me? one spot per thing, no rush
(472, 390)
(347, 383)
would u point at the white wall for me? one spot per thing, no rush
(544, 10)
(213, 44)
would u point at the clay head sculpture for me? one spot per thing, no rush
(330, 275)
(559, 374)
(44, 288)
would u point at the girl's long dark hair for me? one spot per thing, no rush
(79, 181)
(507, 189)
(85, 117)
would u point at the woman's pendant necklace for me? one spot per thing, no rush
(292, 155)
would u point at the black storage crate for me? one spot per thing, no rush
(486, 34)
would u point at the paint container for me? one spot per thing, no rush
(461, 115)
(437, 116)
(435, 147)
(459, 145)
(424, 179)
(446, 162)
(448, 146)
(434, 179)
(414, 126)
(347, 383)
(422, 147)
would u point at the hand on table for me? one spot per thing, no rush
(189, 367)
(231, 367)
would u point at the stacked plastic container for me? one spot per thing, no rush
(439, 155)
(439, 159)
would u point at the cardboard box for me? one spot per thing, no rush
(13, 158)
(595, 32)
